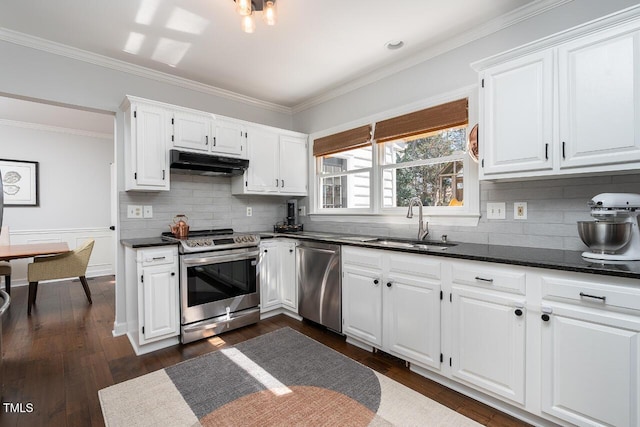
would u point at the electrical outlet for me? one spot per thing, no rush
(520, 210)
(496, 211)
(148, 211)
(134, 211)
(249, 211)
(302, 210)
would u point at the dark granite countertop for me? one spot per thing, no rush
(148, 242)
(555, 259)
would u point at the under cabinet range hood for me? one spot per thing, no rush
(207, 164)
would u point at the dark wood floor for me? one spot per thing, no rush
(57, 359)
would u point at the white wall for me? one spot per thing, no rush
(449, 71)
(74, 178)
(74, 191)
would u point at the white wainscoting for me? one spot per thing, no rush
(101, 263)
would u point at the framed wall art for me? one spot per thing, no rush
(19, 182)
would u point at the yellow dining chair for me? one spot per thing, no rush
(5, 266)
(71, 264)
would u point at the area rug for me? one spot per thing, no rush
(282, 378)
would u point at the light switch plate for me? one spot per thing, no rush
(134, 211)
(148, 211)
(520, 210)
(496, 211)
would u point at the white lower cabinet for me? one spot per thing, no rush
(488, 328)
(590, 352)
(551, 347)
(278, 286)
(153, 301)
(488, 342)
(391, 301)
(362, 301)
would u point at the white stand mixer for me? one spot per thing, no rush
(611, 211)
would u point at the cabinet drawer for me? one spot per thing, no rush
(419, 265)
(149, 257)
(362, 257)
(591, 293)
(489, 276)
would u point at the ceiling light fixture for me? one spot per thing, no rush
(246, 8)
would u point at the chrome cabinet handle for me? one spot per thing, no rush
(482, 279)
(282, 180)
(207, 140)
(277, 182)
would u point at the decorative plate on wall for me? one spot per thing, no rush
(472, 143)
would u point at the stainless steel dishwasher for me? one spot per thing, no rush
(320, 284)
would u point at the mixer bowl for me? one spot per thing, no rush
(604, 237)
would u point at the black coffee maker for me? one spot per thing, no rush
(291, 223)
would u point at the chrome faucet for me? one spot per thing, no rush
(423, 226)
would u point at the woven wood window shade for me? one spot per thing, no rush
(343, 141)
(444, 116)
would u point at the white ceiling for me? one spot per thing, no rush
(315, 48)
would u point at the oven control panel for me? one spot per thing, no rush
(220, 242)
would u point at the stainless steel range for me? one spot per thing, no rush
(219, 282)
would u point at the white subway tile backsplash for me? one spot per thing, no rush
(553, 205)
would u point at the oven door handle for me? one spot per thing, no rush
(217, 259)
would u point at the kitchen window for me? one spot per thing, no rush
(377, 168)
(428, 166)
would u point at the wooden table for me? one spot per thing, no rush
(9, 252)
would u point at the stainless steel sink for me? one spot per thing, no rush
(394, 243)
(414, 244)
(359, 238)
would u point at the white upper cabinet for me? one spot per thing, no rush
(569, 104)
(262, 173)
(194, 131)
(277, 157)
(293, 165)
(229, 138)
(146, 148)
(599, 99)
(191, 131)
(518, 115)
(277, 163)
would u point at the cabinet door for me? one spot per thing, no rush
(269, 286)
(590, 367)
(191, 131)
(412, 319)
(599, 99)
(160, 302)
(293, 165)
(262, 174)
(488, 342)
(229, 138)
(362, 304)
(516, 129)
(288, 279)
(150, 125)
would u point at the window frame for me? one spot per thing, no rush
(467, 214)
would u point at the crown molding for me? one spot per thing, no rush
(497, 24)
(57, 129)
(49, 46)
(504, 21)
